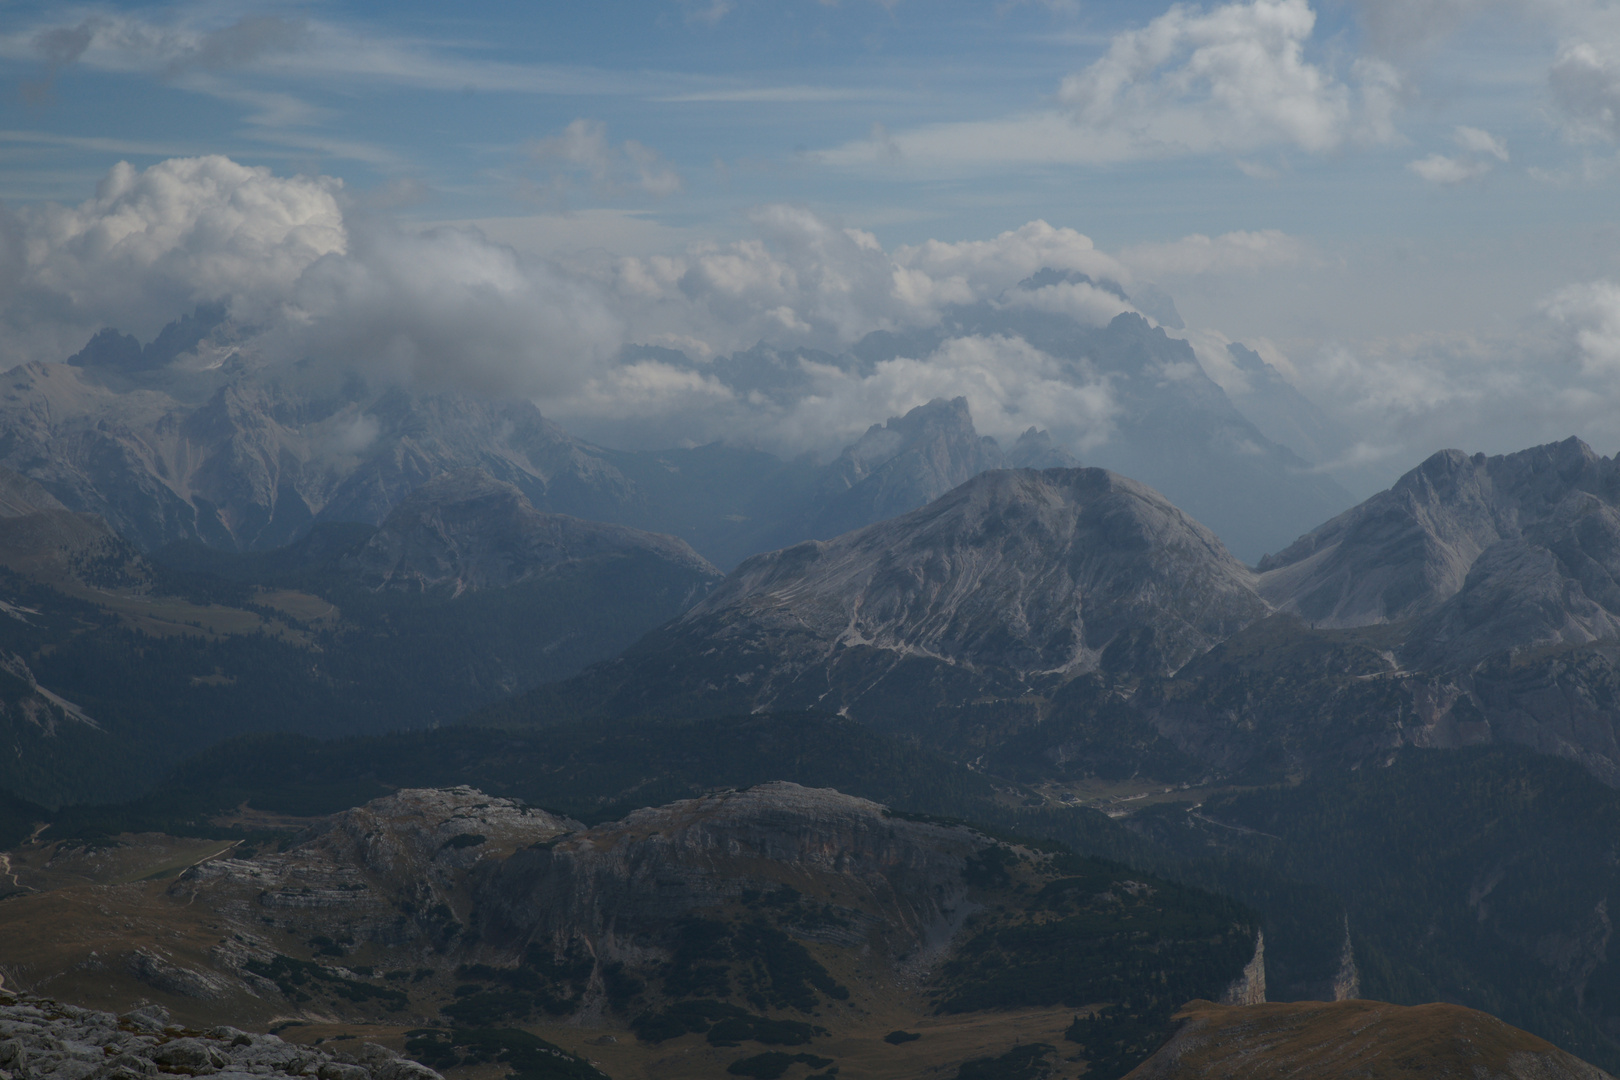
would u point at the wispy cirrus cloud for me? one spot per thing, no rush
(582, 151)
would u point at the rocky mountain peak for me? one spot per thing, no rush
(1406, 551)
(1036, 450)
(938, 425)
(905, 463)
(466, 530)
(1030, 571)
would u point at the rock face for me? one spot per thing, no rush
(1036, 450)
(1484, 555)
(899, 880)
(1406, 551)
(1250, 987)
(1034, 572)
(1014, 576)
(1172, 427)
(903, 464)
(389, 871)
(20, 496)
(41, 1039)
(466, 531)
(801, 903)
(1368, 1040)
(219, 456)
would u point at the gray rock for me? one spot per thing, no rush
(905, 463)
(1016, 575)
(1408, 550)
(467, 531)
(48, 1040)
(148, 1017)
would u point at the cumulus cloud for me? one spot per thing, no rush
(327, 286)
(1230, 79)
(1589, 313)
(805, 280)
(1009, 386)
(157, 241)
(1585, 85)
(434, 308)
(446, 309)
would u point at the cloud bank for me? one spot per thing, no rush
(750, 341)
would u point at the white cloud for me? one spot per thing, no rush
(804, 280)
(1585, 84)
(1088, 304)
(1228, 80)
(1232, 79)
(1590, 313)
(437, 307)
(1009, 386)
(152, 243)
(1483, 143)
(447, 309)
(981, 268)
(1481, 152)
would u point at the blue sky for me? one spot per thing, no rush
(750, 102)
(1399, 202)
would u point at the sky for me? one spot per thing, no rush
(1409, 208)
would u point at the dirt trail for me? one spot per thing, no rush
(6, 870)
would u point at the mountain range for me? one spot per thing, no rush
(1472, 602)
(194, 552)
(195, 436)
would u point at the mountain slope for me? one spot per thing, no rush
(1012, 578)
(1407, 550)
(466, 531)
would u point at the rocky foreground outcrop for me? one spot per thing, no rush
(41, 1039)
(898, 884)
